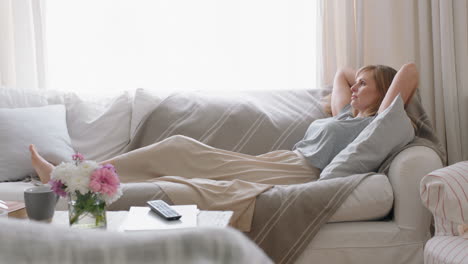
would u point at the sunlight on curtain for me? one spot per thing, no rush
(113, 45)
(22, 64)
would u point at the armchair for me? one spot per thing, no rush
(445, 193)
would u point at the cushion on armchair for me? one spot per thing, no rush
(445, 193)
(446, 250)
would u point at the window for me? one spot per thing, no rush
(114, 45)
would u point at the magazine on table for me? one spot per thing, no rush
(11, 206)
(143, 219)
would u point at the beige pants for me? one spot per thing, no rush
(191, 172)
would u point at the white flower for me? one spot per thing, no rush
(76, 178)
(63, 172)
(80, 179)
(87, 167)
(78, 183)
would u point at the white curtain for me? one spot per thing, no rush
(22, 63)
(433, 34)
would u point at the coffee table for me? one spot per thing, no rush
(116, 218)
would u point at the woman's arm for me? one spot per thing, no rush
(341, 94)
(405, 82)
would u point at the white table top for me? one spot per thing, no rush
(116, 218)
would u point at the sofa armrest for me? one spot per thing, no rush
(405, 173)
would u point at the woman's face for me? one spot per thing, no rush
(364, 92)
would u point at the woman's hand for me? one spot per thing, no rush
(341, 94)
(405, 83)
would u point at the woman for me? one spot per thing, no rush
(217, 179)
(355, 100)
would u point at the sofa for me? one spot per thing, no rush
(381, 221)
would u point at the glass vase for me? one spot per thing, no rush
(86, 211)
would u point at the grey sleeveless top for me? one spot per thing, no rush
(326, 137)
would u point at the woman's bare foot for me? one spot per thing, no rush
(42, 166)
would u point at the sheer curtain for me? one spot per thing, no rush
(433, 34)
(110, 45)
(360, 32)
(22, 63)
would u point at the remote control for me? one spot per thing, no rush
(164, 210)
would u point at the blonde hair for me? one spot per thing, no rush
(383, 77)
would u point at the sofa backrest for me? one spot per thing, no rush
(251, 122)
(99, 128)
(246, 122)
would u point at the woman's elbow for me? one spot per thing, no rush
(411, 72)
(410, 68)
(340, 72)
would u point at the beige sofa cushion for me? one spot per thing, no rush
(372, 199)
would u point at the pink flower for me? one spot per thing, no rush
(58, 187)
(109, 166)
(78, 157)
(104, 180)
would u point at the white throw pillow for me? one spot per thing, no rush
(144, 103)
(388, 132)
(45, 127)
(99, 129)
